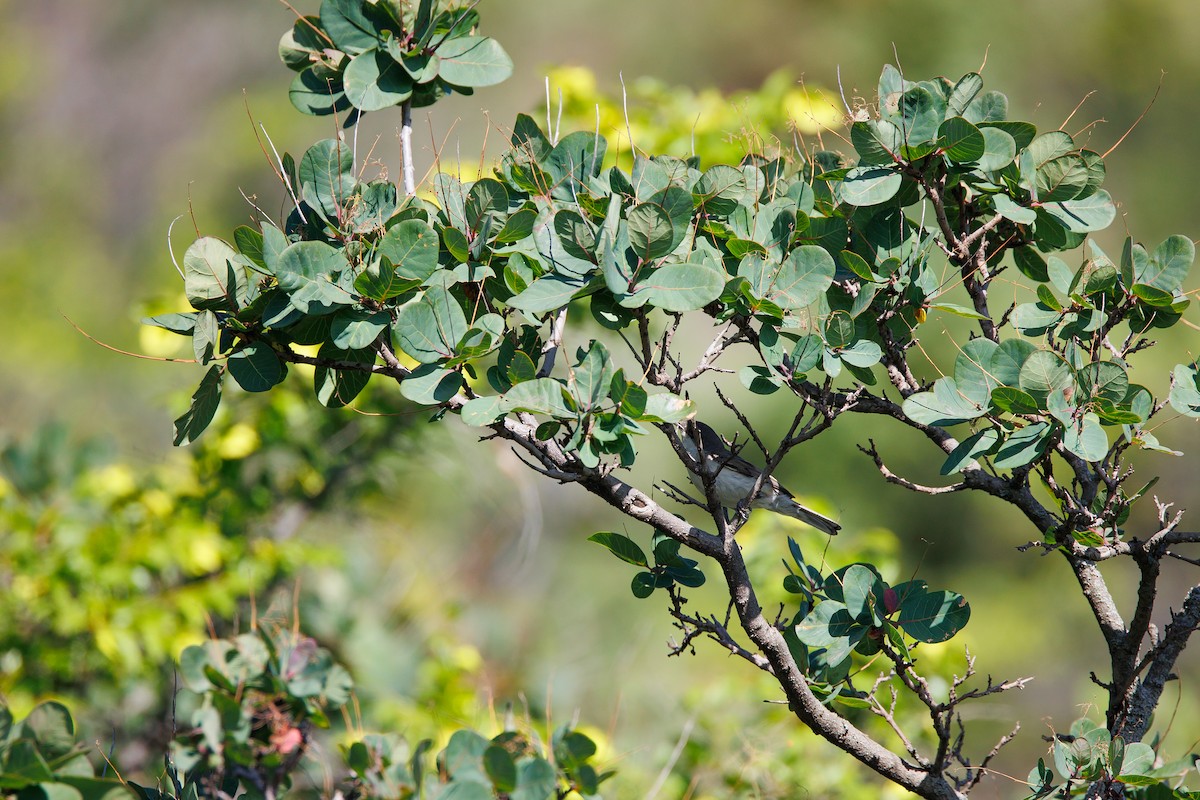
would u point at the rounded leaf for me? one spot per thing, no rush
(412, 248)
(651, 232)
(473, 61)
(1044, 372)
(373, 81)
(621, 546)
(869, 186)
(681, 287)
(961, 141)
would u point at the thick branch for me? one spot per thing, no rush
(1162, 661)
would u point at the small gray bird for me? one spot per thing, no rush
(735, 478)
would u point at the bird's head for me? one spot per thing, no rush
(710, 442)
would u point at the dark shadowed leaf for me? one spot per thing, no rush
(933, 616)
(204, 405)
(256, 367)
(621, 546)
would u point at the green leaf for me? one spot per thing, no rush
(537, 781)
(473, 61)
(486, 196)
(759, 379)
(457, 244)
(1086, 438)
(1153, 296)
(1185, 390)
(973, 370)
(1024, 446)
(964, 92)
(933, 616)
(999, 150)
(987, 107)
(681, 287)
(518, 226)
(1021, 132)
(622, 547)
(249, 243)
(651, 233)
(970, 449)
(869, 186)
(1008, 209)
(50, 725)
(183, 324)
(858, 592)
(1062, 178)
(920, 115)
(667, 407)
(590, 379)
(576, 235)
(539, 396)
(256, 367)
(718, 190)
(547, 293)
(858, 265)
(412, 248)
(347, 25)
(863, 354)
(431, 385)
(956, 310)
(1044, 372)
(643, 585)
(1009, 400)
(317, 91)
(942, 407)
(306, 271)
(501, 768)
(326, 176)
(430, 328)
(1008, 359)
(1168, 266)
(572, 161)
(572, 749)
(839, 330)
(1030, 263)
(206, 335)
(204, 405)
(481, 411)
(354, 330)
(374, 81)
(877, 142)
(1097, 277)
(380, 282)
(1093, 213)
(212, 276)
(1105, 379)
(961, 141)
(805, 274)
(832, 627)
(338, 386)
(1139, 760)
(421, 67)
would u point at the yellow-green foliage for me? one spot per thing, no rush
(112, 570)
(718, 127)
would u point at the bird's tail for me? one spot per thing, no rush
(789, 507)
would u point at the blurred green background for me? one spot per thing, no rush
(457, 582)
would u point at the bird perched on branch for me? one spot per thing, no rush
(734, 478)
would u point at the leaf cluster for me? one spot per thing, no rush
(1088, 756)
(39, 757)
(358, 57)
